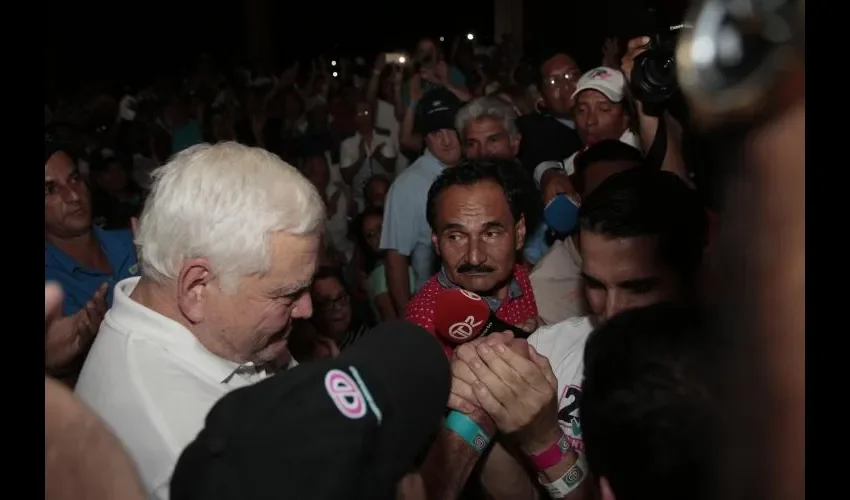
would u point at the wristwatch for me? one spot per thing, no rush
(552, 455)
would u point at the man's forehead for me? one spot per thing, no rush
(620, 257)
(486, 124)
(485, 199)
(558, 64)
(591, 96)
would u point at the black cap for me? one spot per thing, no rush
(437, 110)
(349, 427)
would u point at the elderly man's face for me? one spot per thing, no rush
(487, 138)
(255, 321)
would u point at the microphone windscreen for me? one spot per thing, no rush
(460, 315)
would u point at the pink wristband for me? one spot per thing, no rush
(552, 455)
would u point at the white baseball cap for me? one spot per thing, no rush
(609, 81)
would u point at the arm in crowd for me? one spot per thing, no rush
(519, 394)
(648, 125)
(408, 138)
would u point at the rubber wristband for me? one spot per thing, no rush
(466, 428)
(570, 481)
(552, 455)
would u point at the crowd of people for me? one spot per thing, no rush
(253, 273)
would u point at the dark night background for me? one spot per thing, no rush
(133, 41)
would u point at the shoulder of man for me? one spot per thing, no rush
(562, 339)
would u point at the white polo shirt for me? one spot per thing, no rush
(563, 343)
(153, 383)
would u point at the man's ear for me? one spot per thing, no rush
(520, 233)
(193, 284)
(605, 492)
(516, 142)
(435, 243)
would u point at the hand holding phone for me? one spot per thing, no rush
(398, 58)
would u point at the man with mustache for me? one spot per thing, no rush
(478, 226)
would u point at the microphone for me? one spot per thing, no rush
(462, 316)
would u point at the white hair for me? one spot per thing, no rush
(222, 202)
(487, 107)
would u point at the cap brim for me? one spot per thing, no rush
(612, 95)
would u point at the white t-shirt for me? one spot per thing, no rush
(563, 343)
(568, 165)
(153, 383)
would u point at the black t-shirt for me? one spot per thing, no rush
(544, 138)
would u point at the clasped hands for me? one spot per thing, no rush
(513, 384)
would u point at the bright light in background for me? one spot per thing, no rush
(333, 63)
(470, 36)
(335, 74)
(402, 59)
(442, 39)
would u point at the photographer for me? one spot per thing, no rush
(650, 120)
(432, 72)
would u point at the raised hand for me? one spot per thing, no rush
(68, 336)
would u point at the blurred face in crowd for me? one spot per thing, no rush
(559, 75)
(254, 322)
(489, 138)
(113, 178)
(364, 118)
(372, 226)
(623, 273)
(376, 191)
(316, 171)
(476, 236)
(598, 119)
(317, 118)
(445, 145)
(426, 52)
(333, 307)
(67, 203)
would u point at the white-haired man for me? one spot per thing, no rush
(228, 244)
(487, 128)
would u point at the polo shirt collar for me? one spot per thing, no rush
(514, 290)
(174, 338)
(115, 254)
(431, 163)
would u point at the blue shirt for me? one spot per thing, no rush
(406, 228)
(78, 283)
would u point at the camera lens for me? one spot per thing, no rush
(654, 75)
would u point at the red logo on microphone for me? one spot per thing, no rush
(462, 330)
(469, 294)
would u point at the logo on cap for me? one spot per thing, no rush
(462, 330)
(437, 103)
(601, 74)
(345, 394)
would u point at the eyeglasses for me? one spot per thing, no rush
(568, 79)
(340, 301)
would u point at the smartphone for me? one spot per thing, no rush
(399, 58)
(561, 214)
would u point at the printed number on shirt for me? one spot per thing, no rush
(568, 414)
